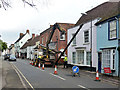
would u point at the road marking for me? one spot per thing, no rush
(83, 87)
(57, 76)
(40, 69)
(19, 77)
(24, 77)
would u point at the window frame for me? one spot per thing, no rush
(113, 38)
(88, 36)
(74, 58)
(62, 36)
(74, 40)
(109, 58)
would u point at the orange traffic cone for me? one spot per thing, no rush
(32, 62)
(55, 72)
(97, 76)
(39, 65)
(35, 64)
(43, 67)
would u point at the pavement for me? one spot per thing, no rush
(106, 78)
(8, 76)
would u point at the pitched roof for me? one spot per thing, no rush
(104, 11)
(31, 42)
(20, 38)
(63, 25)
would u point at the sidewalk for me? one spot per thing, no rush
(8, 76)
(92, 75)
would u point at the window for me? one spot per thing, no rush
(86, 36)
(80, 57)
(112, 30)
(74, 40)
(73, 56)
(108, 58)
(88, 58)
(62, 35)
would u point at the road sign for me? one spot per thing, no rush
(75, 69)
(107, 70)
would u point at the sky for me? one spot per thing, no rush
(20, 16)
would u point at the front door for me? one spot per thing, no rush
(99, 62)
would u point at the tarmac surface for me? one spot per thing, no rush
(9, 78)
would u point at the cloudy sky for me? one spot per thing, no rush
(19, 18)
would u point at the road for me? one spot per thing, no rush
(34, 77)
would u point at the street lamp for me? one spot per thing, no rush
(90, 39)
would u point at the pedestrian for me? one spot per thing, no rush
(65, 62)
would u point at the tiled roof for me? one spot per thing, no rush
(20, 38)
(31, 42)
(103, 11)
(63, 25)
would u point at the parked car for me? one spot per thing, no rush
(12, 58)
(6, 56)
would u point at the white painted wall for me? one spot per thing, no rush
(80, 42)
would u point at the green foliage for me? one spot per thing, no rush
(3, 45)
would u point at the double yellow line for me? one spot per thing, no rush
(20, 73)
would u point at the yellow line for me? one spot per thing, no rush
(24, 77)
(19, 76)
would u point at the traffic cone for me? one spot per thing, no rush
(97, 76)
(43, 67)
(39, 65)
(55, 72)
(35, 64)
(32, 62)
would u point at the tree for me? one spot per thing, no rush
(6, 3)
(3, 45)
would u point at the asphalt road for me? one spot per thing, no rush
(34, 77)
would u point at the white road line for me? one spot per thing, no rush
(57, 76)
(40, 69)
(19, 77)
(83, 87)
(24, 77)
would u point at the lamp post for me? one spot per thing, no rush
(90, 39)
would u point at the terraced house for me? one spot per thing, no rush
(96, 46)
(108, 39)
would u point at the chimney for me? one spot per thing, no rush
(33, 35)
(27, 31)
(21, 34)
(51, 26)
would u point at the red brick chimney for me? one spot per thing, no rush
(21, 34)
(51, 25)
(33, 35)
(27, 31)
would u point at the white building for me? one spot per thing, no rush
(28, 48)
(20, 42)
(82, 47)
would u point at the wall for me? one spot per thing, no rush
(103, 42)
(80, 41)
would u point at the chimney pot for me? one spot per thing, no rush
(27, 31)
(21, 34)
(33, 35)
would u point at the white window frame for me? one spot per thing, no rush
(107, 58)
(63, 36)
(79, 58)
(74, 58)
(74, 40)
(113, 29)
(87, 36)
